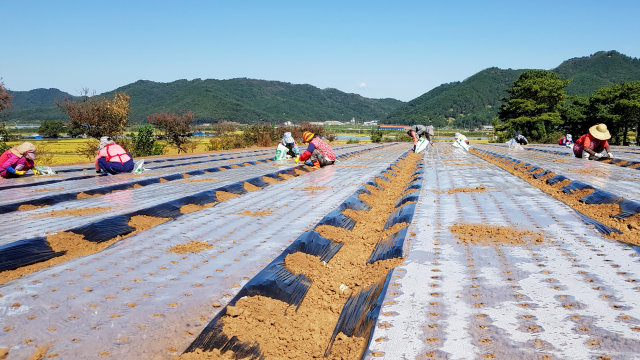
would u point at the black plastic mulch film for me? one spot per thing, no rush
(29, 251)
(617, 162)
(275, 281)
(628, 207)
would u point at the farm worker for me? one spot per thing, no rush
(287, 146)
(593, 143)
(111, 158)
(417, 131)
(461, 141)
(566, 140)
(520, 139)
(318, 151)
(17, 160)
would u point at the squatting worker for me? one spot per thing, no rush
(416, 131)
(112, 158)
(593, 143)
(520, 139)
(290, 144)
(17, 160)
(565, 140)
(318, 151)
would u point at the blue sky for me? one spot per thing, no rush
(398, 49)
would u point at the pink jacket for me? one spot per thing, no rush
(113, 153)
(8, 159)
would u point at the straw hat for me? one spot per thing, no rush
(600, 132)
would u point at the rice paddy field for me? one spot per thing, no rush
(387, 254)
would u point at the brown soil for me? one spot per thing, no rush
(478, 189)
(206, 355)
(236, 166)
(310, 188)
(163, 180)
(31, 207)
(490, 234)
(298, 171)
(4, 352)
(634, 166)
(223, 195)
(565, 160)
(85, 196)
(193, 246)
(186, 209)
(286, 176)
(250, 187)
(137, 186)
(602, 213)
(76, 246)
(270, 180)
(247, 164)
(257, 213)
(41, 352)
(588, 171)
(41, 190)
(453, 160)
(306, 333)
(198, 180)
(184, 176)
(75, 212)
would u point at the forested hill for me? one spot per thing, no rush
(242, 100)
(476, 100)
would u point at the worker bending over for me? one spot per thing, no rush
(417, 131)
(566, 141)
(319, 153)
(112, 158)
(591, 145)
(17, 160)
(287, 148)
(520, 139)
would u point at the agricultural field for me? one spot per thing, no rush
(387, 254)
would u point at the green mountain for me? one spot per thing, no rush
(242, 100)
(476, 100)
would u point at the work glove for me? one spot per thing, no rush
(35, 172)
(296, 159)
(20, 172)
(610, 155)
(597, 155)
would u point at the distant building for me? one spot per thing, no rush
(370, 123)
(487, 127)
(353, 120)
(317, 123)
(332, 123)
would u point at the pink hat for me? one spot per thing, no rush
(32, 155)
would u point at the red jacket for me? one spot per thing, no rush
(323, 147)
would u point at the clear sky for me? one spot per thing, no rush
(398, 49)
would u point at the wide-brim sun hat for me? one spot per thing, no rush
(600, 132)
(307, 136)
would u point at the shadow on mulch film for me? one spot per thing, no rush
(360, 312)
(25, 252)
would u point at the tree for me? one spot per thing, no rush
(176, 127)
(144, 144)
(96, 116)
(5, 98)
(5, 136)
(617, 106)
(533, 105)
(51, 128)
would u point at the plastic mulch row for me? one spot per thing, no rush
(628, 207)
(29, 251)
(276, 282)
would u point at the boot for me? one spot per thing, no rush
(316, 165)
